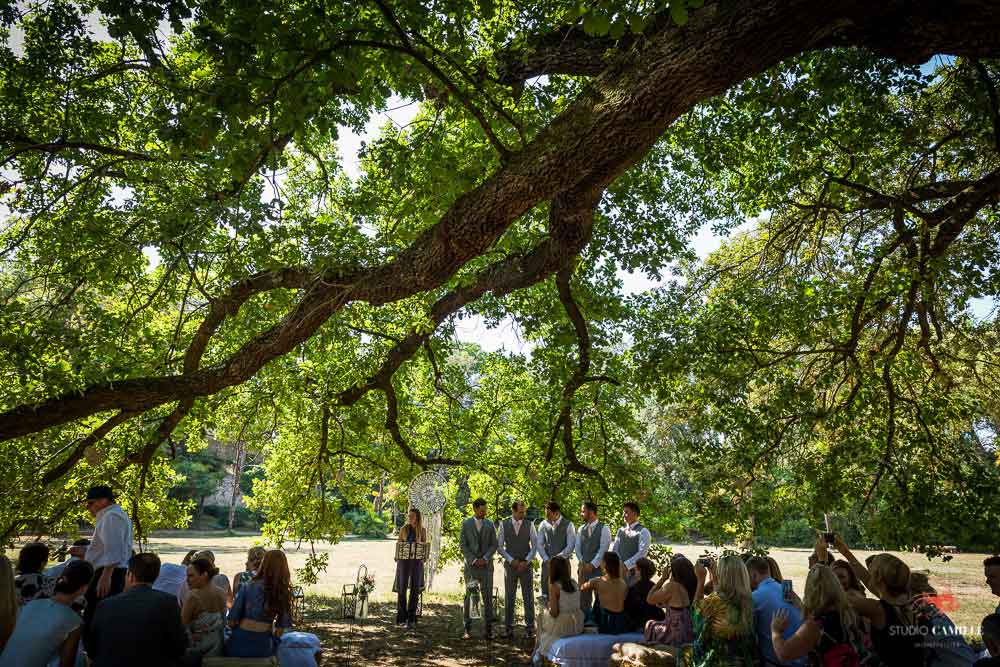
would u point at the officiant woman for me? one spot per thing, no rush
(410, 572)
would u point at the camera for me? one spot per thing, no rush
(705, 561)
(828, 538)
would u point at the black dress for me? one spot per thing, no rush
(409, 581)
(637, 610)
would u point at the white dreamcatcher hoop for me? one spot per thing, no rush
(427, 494)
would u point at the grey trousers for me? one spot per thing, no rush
(511, 579)
(485, 578)
(589, 598)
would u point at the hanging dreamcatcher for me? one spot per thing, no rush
(427, 494)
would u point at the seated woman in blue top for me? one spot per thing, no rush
(47, 631)
(262, 610)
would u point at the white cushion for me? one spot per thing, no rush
(587, 650)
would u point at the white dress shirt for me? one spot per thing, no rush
(605, 543)
(518, 527)
(111, 545)
(644, 541)
(570, 539)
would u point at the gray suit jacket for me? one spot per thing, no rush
(476, 545)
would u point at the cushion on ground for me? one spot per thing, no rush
(586, 650)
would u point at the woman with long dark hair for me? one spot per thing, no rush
(409, 572)
(674, 592)
(611, 590)
(262, 610)
(562, 616)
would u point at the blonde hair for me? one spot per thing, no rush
(8, 600)
(772, 566)
(889, 575)
(733, 586)
(824, 594)
(256, 556)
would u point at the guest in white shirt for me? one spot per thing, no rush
(632, 541)
(592, 542)
(110, 548)
(556, 537)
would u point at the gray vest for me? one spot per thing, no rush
(518, 545)
(554, 539)
(628, 546)
(589, 546)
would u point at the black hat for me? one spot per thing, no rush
(98, 492)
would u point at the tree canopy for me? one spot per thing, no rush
(824, 358)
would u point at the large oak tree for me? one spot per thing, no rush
(287, 294)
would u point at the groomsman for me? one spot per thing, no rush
(478, 540)
(592, 542)
(556, 537)
(632, 541)
(517, 540)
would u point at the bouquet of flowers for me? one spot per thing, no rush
(366, 584)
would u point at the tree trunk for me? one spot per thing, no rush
(237, 475)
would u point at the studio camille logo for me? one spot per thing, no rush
(944, 600)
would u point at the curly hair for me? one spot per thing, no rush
(277, 582)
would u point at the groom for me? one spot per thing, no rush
(478, 539)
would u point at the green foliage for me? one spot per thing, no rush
(365, 523)
(177, 211)
(200, 474)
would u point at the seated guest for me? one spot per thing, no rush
(769, 598)
(774, 569)
(48, 630)
(299, 649)
(562, 616)
(637, 609)
(76, 552)
(991, 567)
(8, 600)
(991, 637)
(262, 610)
(675, 596)
(723, 624)
(848, 580)
(220, 581)
(946, 646)
(611, 590)
(254, 557)
(31, 583)
(203, 614)
(139, 627)
(894, 631)
(171, 577)
(830, 628)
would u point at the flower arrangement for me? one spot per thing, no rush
(366, 584)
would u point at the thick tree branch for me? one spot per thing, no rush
(609, 128)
